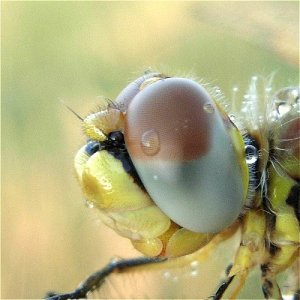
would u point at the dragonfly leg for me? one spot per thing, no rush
(270, 286)
(223, 285)
(232, 286)
(250, 249)
(96, 279)
(278, 261)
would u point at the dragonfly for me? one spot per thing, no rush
(173, 167)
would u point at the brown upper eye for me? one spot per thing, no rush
(170, 120)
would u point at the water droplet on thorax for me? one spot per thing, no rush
(150, 142)
(251, 154)
(209, 108)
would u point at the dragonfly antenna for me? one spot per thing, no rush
(71, 110)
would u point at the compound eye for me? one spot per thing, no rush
(179, 145)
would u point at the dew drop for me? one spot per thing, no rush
(251, 154)
(297, 106)
(285, 100)
(288, 297)
(209, 108)
(194, 264)
(232, 117)
(194, 268)
(135, 236)
(88, 203)
(218, 91)
(268, 89)
(105, 183)
(194, 273)
(167, 275)
(283, 108)
(115, 259)
(150, 142)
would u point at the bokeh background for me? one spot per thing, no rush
(77, 52)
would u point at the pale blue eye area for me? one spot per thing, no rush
(201, 195)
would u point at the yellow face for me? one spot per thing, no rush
(151, 163)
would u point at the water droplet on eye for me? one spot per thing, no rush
(209, 108)
(251, 154)
(150, 142)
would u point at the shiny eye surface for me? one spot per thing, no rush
(181, 149)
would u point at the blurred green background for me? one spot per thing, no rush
(77, 52)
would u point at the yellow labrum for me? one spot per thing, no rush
(104, 181)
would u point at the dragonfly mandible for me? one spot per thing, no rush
(174, 168)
